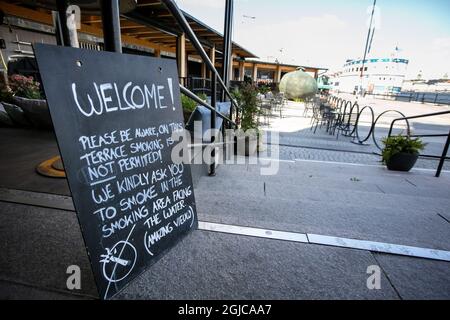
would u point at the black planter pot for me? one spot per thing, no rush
(402, 161)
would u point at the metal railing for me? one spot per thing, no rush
(215, 77)
(196, 84)
(112, 42)
(441, 158)
(439, 98)
(351, 128)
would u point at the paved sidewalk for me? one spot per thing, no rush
(298, 141)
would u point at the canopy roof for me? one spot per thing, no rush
(151, 22)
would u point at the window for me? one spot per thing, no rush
(365, 69)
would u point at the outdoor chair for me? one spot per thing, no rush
(309, 103)
(265, 109)
(278, 103)
(323, 114)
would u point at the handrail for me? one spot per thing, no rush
(416, 117)
(415, 96)
(441, 158)
(194, 97)
(179, 16)
(408, 127)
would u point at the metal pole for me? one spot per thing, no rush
(179, 16)
(227, 45)
(57, 25)
(111, 25)
(212, 170)
(367, 41)
(62, 32)
(444, 155)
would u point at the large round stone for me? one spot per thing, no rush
(298, 84)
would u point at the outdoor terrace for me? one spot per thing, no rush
(310, 231)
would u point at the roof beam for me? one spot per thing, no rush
(172, 38)
(148, 4)
(145, 32)
(153, 23)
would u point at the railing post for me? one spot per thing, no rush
(227, 62)
(212, 168)
(179, 17)
(62, 32)
(111, 25)
(444, 155)
(392, 127)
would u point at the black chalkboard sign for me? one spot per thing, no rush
(114, 116)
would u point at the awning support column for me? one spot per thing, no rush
(227, 44)
(62, 32)
(241, 70)
(111, 25)
(255, 73)
(181, 56)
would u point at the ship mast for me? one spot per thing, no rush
(369, 38)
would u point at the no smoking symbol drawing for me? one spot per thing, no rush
(119, 261)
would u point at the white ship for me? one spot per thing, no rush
(374, 75)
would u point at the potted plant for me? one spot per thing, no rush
(400, 153)
(190, 105)
(10, 114)
(28, 96)
(247, 138)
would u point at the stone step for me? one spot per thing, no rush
(399, 224)
(332, 178)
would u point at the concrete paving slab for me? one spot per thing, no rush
(37, 199)
(416, 278)
(377, 169)
(300, 169)
(14, 291)
(303, 191)
(403, 226)
(210, 265)
(22, 151)
(392, 184)
(39, 244)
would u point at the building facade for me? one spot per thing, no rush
(148, 30)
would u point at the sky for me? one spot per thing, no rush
(325, 33)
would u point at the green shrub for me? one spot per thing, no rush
(246, 97)
(187, 103)
(264, 89)
(202, 96)
(400, 144)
